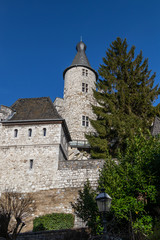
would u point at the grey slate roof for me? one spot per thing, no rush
(34, 109)
(80, 59)
(156, 126)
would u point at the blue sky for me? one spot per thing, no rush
(38, 40)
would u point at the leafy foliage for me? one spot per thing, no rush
(132, 180)
(15, 208)
(54, 221)
(125, 99)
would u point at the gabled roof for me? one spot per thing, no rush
(156, 126)
(34, 109)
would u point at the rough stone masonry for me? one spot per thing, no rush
(43, 147)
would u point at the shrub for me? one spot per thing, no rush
(54, 221)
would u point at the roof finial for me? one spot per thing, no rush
(81, 39)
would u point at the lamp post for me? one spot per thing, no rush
(104, 203)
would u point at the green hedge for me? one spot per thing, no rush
(54, 221)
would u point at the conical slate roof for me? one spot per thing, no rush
(80, 59)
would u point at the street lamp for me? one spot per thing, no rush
(104, 203)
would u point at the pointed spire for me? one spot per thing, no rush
(81, 58)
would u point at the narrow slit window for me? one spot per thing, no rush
(86, 87)
(44, 132)
(83, 87)
(87, 122)
(83, 120)
(15, 133)
(31, 164)
(29, 132)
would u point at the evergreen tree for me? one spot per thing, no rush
(125, 99)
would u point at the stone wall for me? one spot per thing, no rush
(59, 105)
(77, 103)
(69, 234)
(5, 112)
(70, 178)
(75, 173)
(18, 152)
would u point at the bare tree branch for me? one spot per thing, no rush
(14, 209)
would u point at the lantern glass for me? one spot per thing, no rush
(103, 202)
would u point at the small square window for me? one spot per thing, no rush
(84, 72)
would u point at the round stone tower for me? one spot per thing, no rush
(79, 82)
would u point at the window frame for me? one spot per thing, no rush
(85, 121)
(84, 87)
(85, 72)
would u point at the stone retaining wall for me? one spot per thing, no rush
(69, 234)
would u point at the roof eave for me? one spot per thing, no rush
(31, 120)
(80, 65)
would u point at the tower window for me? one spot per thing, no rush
(84, 72)
(44, 132)
(84, 87)
(85, 121)
(29, 132)
(31, 164)
(15, 133)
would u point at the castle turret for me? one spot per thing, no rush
(79, 82)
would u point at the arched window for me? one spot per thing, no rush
(29, 132)
(44, 132)
(15, 133)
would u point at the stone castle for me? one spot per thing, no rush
(43, 147)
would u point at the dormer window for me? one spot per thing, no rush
(84, 87)
(29, 132)
(15, 133)
(84, 72)
(44, 132)
(85, 121)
